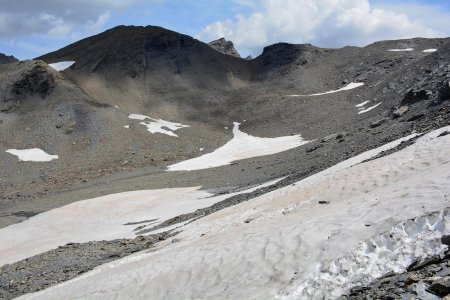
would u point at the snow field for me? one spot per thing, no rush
(275, 245)
(102, 218)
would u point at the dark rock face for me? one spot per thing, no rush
(36, 79)
(5, 59)
(415, 96)
(440, 287)
(224, 46)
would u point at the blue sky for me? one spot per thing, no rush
(29, 28)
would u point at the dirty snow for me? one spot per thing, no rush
(61, 66)
(242, 146)
(34, 154)
(290, 241)
(368, 109)
(158, 125)
(401, 50)
(350, 86)
(429, 50)
(103, 218)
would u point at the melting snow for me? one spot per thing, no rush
(429, 50)
(61, 66)
(103, 218)
(401, 50)
(368, 109)
(32, 154)
(242, 146)
(294, 247)
(350, 86)
(158, 125)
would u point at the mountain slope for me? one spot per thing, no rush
(81, 113)
(136, 104)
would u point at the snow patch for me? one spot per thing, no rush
(127, 126)
(158, 125)
(103, 218)
(368, 109)
(61, 66)
(242, 146)
(34, 154)
(360, 105)
(350, 86)
(401, 50)
(429, 50)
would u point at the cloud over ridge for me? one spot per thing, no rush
(327, 23)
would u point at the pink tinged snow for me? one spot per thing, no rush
(104, 218)
(286, 245)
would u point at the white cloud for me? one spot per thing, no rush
(327, 23)
(59, 19)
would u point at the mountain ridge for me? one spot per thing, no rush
(5, 59)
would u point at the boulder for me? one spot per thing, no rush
(440, 287)
(400, 112)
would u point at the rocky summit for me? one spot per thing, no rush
(224, 46)
(179, 170)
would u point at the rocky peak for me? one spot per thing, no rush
(5, 59)
(224, 46)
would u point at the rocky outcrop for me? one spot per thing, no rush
(5, 59)
(224, 46)
(33, 78)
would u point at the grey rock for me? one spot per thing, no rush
(334, 136)
(377, 123)
(444, 272)
(400, 112)
(224, 46)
